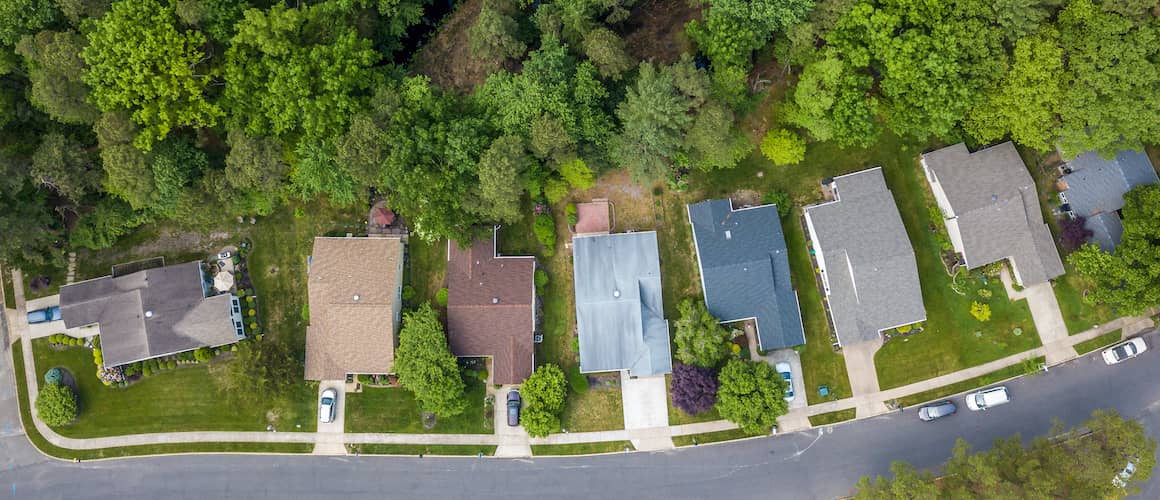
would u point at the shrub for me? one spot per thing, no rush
(441, 297)
(577, 173)
(56, 405)
(555, 190)
(544, 394)
(241, 292)
(306, 311)
(250, 299)
(170, 364)
(781, 199)
(984, 293)
(545, 229)
(203, 354)
(751, 395)
(252, 313)
(541, 280)
(53, 376)
(903, 329)
(578, 381)
(1073, 233)
(146, 372)
(570, 213)
(98, 358)
(980, 311)
(783, 147)
(408, 293)
(694, 388)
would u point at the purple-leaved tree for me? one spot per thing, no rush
(1072, 233)
(694, 388)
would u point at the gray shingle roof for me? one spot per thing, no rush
(619, 313)
(1096, 187)
(869, 262)
(149, 313)
(997, 205)
(745, 270)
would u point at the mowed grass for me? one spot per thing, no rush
(422, 449)
(395, 410)
(1104, 340)
(710, 437)
(1027, 367)
(582, 448)
(832, 417)
(426, 269)
(183, 399)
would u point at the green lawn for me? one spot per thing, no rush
(832, 417)
(594, 410)
(426, 269)
(582, 448)
(395, 410)
(1098, 342)
(1078, 315)
(421, 449)
(184, 399)
(710, 437)
(1028, 367)
(48, 448)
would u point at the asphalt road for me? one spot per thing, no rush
(817, 464)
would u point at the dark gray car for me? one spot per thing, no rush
(513, 408)
(936, 410)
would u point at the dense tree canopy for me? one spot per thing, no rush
(1126, 279)
(426, 366)
(699, 336)
(544, 394)
(751, 395)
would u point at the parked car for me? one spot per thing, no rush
(513, 407)
(937, 411)
(988, 398)
(1121, 479)
(1124, 351)
(44, 315)
(225, 255)
(784, 369)
(327, 405)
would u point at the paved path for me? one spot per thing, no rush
(646, 411)
(1046, 315)
(330, 435)
(863, 376)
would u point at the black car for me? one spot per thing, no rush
(937, 410)
(513, 406)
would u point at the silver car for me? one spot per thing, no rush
(937, 410)
(1124, 351)
(326, 406)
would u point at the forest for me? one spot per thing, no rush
(117, 114)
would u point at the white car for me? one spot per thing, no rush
(784, 369)
(1121, 479)
(326, 406)
(988, 398)
(1126, 350)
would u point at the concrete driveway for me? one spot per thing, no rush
(860, 369)
(795, 367)
(513, 441)
(1046, 315)
(646, 411)
(330, 439)
(40, 330)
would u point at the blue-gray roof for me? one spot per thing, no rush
(745, 270)
(620, 316)
(1096, 187)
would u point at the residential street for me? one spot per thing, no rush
(815, 464)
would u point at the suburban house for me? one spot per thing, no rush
(864, 258)
(354, 288)
(491, 308)
(620, 317)
(153, 312)
(745, 270)
(1094, 188)
(991, 210)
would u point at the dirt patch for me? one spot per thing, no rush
(655, 30)
(447, 59)
(743, 197)
(632, 204)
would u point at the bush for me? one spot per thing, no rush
(984, 293)
(408, 293)
(781, 199)
(555, 190)
(577, 173)
(783, 147)
(441, 297)
(751, 395)
(578, 381)
(541, 280)
(981, 311)
(53, 376)
(170, 364)
(570, 213)
(56, 405)
(903, 328)
(545, 229)
(203, 354)
(98, 358)
(544, 394)
(694, 388)
(146, 372)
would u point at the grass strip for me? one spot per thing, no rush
(422, 449)
(710, 437)
(582, 448)
(832, 417)
(1025, 368)
(1098, 342)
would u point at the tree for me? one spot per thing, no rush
(907, 483)
(214, 17)
(62, 164)
(751, 394)
(577, 174)
(1073, 233)
(426, 366)
(699, 336)
(980, 311)
(26, 219)
(501, 171)
(1126, 279)
(56, 405)
(713, 141)
(255, 164)
(1019, 18)
(128, 175)
(318, 173)
(694, 388)
(289, 71)
(495, 34)
(783, 147)
(54, 71)
(606, 50)
(261, 372)
(655, 115)
(544, 394)
(139, 61)
(77, 10)
(1024, 103)
(832, 102)
(22, 17)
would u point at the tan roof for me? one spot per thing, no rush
(490, 309)
(353, 289)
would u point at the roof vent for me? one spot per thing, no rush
(728, 234)
(616, 293)
(994, 197)
(356, 297)
(148, 314)
(495, 300)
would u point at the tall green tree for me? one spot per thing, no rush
(54, 70)
(426, 366)
(544, 394)
(501, 170)
(64, 165)
(1126, 279)
(655, 114)
(495, 34)
(255, 165)
(699, 336)
(25, 17)
(606, 50)
(138, 60)
(1020, 18)
(832, 101)
(1025, 102)
(751, 395)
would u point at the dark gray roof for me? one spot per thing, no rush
(869, 263)
(997, 208)
(745, 270)
(619, 313)
(1096, 187)
(149, 313)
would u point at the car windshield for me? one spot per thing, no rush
(980, 401)
(1123, 351)
(327, 401)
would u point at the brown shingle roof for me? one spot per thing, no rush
(592, 217)
(353, 288)
(490, 308)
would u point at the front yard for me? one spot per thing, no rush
(395, 410)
